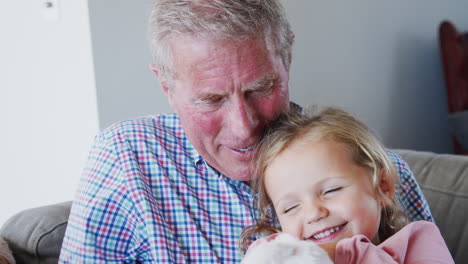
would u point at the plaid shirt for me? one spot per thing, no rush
(147, 196)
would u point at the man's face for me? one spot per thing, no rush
(225, 94)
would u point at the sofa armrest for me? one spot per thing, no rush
(444, 181)
(35, 235)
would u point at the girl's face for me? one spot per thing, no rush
(320, 194)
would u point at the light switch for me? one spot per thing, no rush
(50, 9)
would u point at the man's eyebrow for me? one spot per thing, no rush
(262, 82)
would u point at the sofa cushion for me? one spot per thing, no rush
(36, 235)
(444, 181)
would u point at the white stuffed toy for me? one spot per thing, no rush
(286, 249)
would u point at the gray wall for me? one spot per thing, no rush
(378, 60)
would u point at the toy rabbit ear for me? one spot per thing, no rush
(387, 187)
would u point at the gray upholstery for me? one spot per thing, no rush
(444, 181)
(36, 235)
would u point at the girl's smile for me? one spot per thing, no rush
(320, 194)
(327, 234)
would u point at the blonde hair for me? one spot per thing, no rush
(330, 124)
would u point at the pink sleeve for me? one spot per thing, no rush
(418, 242)
(359, 249)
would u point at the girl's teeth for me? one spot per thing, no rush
(326, 233)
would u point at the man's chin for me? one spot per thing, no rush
(237, 174)
(234, 167)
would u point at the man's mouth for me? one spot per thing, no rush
(246, 149)
(327, 232)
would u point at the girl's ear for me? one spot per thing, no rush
(387, 187)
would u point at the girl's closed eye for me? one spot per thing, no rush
(331, 191)
(290, 209)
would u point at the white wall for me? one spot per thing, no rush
(47, 103)
(378, 59)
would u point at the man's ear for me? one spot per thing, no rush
(293, 36)
(161, 78)
(387, 187)
(163, 82)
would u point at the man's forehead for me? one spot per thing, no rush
(204, 59)
(205, 46)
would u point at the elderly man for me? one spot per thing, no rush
(173, 188)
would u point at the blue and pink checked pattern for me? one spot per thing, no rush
(147, 196)
(409, 193)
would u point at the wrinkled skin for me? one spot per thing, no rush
(225, 94)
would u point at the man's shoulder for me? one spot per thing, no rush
(154, 126)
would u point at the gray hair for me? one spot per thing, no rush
(217, 19)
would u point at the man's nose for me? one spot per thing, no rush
(243, 118)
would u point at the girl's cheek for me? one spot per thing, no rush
(291, 226)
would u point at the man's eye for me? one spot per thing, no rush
(211, 100)
(262, 91)
(214, 100)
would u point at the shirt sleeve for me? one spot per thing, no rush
(419, 242)
(409, 193)
(103, 223)
(359, 249)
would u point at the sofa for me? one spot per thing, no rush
(35, 235)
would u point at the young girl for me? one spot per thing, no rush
(328, 180)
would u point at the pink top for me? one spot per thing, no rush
(418, 242)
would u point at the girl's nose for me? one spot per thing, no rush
(316, 213)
